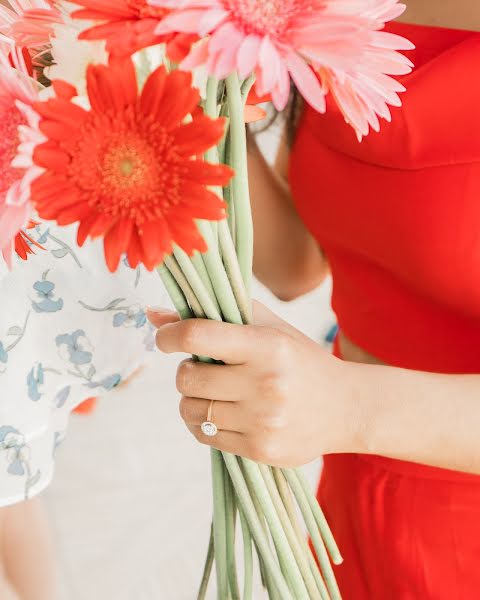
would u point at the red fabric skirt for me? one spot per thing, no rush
(406, 531)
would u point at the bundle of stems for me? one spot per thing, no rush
(266, 501)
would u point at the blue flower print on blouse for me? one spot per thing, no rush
(18, 456)
(77, 350)
(62, 396)
(124, 315)
(149, 339)
(75, 347)
(3, 358)
(61, 249)
(43, 234)
(130, 317)
(35, 379)
(12, 338)
(108, 384)
(45, 292)
(12, 439)
(57, 441)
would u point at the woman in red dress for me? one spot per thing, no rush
(396, 220)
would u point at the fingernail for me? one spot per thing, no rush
(160, 310)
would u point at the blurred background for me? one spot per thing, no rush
(130, 505)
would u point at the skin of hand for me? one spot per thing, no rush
(279, 397)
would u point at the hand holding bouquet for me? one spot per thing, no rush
(104, 125)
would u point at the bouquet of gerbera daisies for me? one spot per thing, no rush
(128, 118)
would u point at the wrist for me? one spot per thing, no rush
(358, 391)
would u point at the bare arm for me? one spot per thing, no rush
(287, 258)
(421, 417)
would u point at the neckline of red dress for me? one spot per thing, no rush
(430, 41)
(437, 28)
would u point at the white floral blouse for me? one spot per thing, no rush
(69, 330)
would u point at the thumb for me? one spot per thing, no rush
(159, 317)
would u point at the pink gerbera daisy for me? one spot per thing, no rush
(364, 92)
(28, 23)
(282, 39)
(17, 94)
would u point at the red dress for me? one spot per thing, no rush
(398, 217)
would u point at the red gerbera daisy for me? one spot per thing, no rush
(127, 169)
(129, 26)
(24, 243)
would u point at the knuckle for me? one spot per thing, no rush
(276, 418)
(273, 385)
(184, 376)
(281, 347)
(190, 334)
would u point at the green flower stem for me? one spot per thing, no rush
(322, 523)
(228, 195)
(219, 277)
(261, 540)
(289, 504)
(314, 532)
(222, 146)
(267, 580)
(284, 551)
(247, 557)
(176, 271)
(211, 102)
(207, 571)
(273, 593)
(175, 292)
(210, 306)
(258, 510)
(197, 261)
(219, 525)
(266, 577)
(295, 544)
(231, 513)
(211, 156)
(240, 187)
(322, 588)
(287, 499)
(179, 300)
(232, 268)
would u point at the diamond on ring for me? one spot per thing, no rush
(209, 429)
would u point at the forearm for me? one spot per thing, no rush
(420, 417)
(287, 258)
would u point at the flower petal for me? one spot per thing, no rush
(208, 174)
(306, 81)
(116, 242)
(198, 136)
